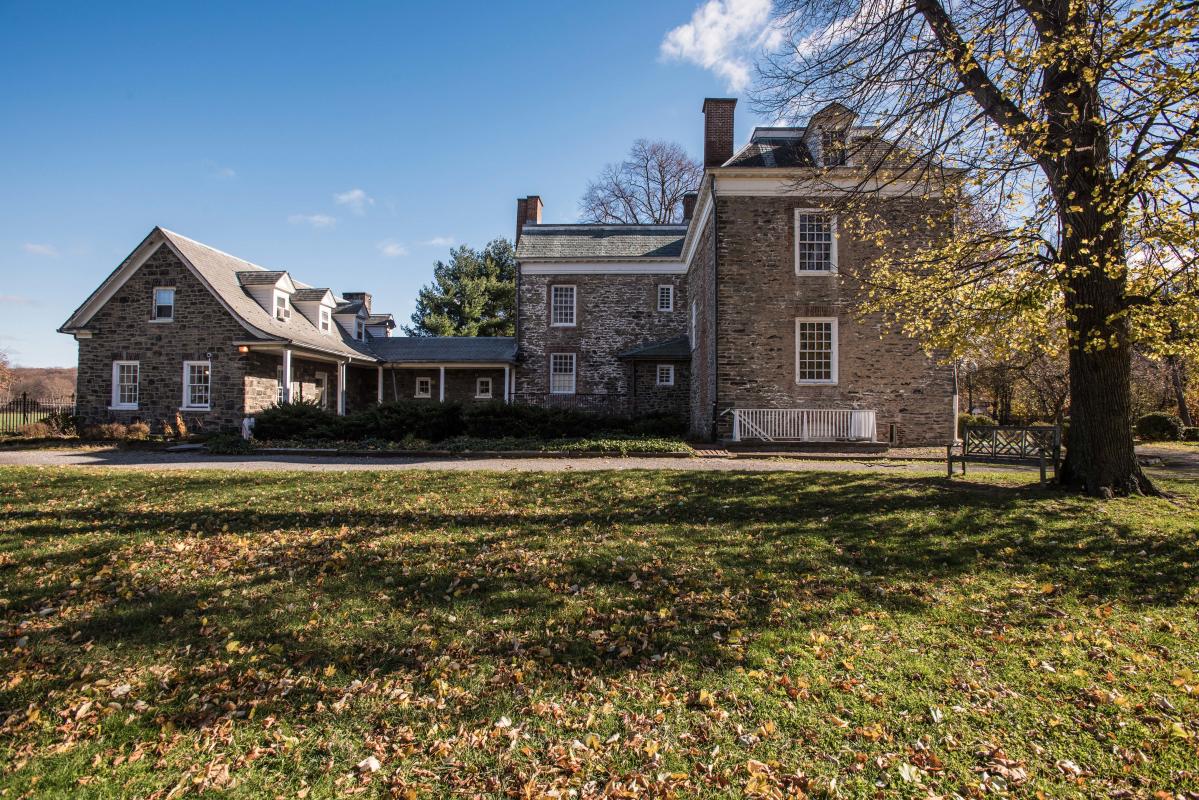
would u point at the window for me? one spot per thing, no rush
(197, 385)
(665, 375)
(816, 350)
(562, 373)
(666, 298)
(164, 304)
(322, 389)
(691, 322)
(562, 305)
(833, 151)
(124, 384)
(326, 320)
(282, 307)
(424, 387)
(359, 330)
(279, 380)
(815, 243)
(483, 388)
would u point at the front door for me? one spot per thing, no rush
(322, 389)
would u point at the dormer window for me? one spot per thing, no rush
(359, 330)
(282, 307)
(164, 304)
(833, 151)
(326, 320)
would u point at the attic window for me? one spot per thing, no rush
(282, 307)
(833, 151)
(164, 304)
(359, 330)
(326, 320)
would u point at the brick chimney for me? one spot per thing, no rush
(528, 212)
(365, 297)
(718, 130)
(689, 205)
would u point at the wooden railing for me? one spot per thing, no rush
(804, 424)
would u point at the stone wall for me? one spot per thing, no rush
(701, 285)
(650, 398)
(614, 313)
(202, 330)
(460, 383)
(760, 297)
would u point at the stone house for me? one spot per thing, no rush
(747, 312)
(181, 328)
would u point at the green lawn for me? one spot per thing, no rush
(630, 634)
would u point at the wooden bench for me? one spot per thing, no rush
(1008, 444)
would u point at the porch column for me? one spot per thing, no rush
(441, 384)
(379, 400)
(507, 394)
(341, 388)
(286, 374)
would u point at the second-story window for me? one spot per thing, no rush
(666, 297)
(562, 305)
(833, 151)
(326, 320)
(815, 243)
(282, 307)
(164, 304)
(359, 330)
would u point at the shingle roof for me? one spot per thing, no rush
(379, 319)
(586, 242)
(676, 349)
(349, 307)
(432, 349)
(788, 151)
(309, 294)
(258, 277)
(222, 272)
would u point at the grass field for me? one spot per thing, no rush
(629, 634)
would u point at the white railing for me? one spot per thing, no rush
(803, 424)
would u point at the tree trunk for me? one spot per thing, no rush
(1178, 380)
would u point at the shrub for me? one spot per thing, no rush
(303, 419)
(972, 419)
(1159, 427)
(410, 418)
(105, 431)
(228, 444)
(1190, 434)
(137, 431)
(180, 426)
(62, 423)
(168, 430)
(36, 430)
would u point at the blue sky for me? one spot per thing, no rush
(348, 142)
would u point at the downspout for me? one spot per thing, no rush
(715, 308)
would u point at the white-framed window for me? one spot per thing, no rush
(816, 350)
(562, 373)
(424, 387)
(562, 305)
(279, 381)
(665, 375)
(815, 242)
(325, 318)
(321, 381)
(360, 330)
(691, 324)
(833, 151)
(197, 385)
(483, 388)
(282, 306)
(125, 379)
(666, 297)
(164, 304)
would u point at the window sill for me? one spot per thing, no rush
(484, 397)
(195, 408)
(564, 325)
(664, 385)
(422, 397)
(156, 321)
(815, 273)
(815, 383)
(563, 394)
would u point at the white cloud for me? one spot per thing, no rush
(355, 199)
(226, 172)
(440, 241)
(392, 248)
(35, 249)
(313, 220)
(14, 300)
(723, 36)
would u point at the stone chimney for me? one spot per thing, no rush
(689, 205)
(365, 297)
(528, 212)
(718, 130)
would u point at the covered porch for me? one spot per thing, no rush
(445, 369)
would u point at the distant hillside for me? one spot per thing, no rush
(42, 381)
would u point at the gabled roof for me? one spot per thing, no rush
(350, 308)
(222, 274)
(446, 349)
(309, 295)
(598, 242)
(768, 150)
(676, 349)
(261, 277)
(381, 319)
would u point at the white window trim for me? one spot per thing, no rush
(658, 375)
(691, 323)
(832, 261)
(574, 305)
(427, 392)
(324, 318)
(670, 305)
(574, 374)
(479, 395)
(360, 330)
(834, 355)
(286, 306)
(154, 305)
(185, 405)
(115, 398)
(321, 377)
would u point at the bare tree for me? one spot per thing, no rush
(1071, 126)
(5, 372)
(645, 188)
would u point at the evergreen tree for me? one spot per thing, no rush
(474, 294)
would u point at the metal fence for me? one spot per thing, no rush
(17, 412)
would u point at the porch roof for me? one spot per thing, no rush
(676, 349)
(445, 349)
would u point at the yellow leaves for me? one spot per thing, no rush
(872, 733)
(232, 646)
